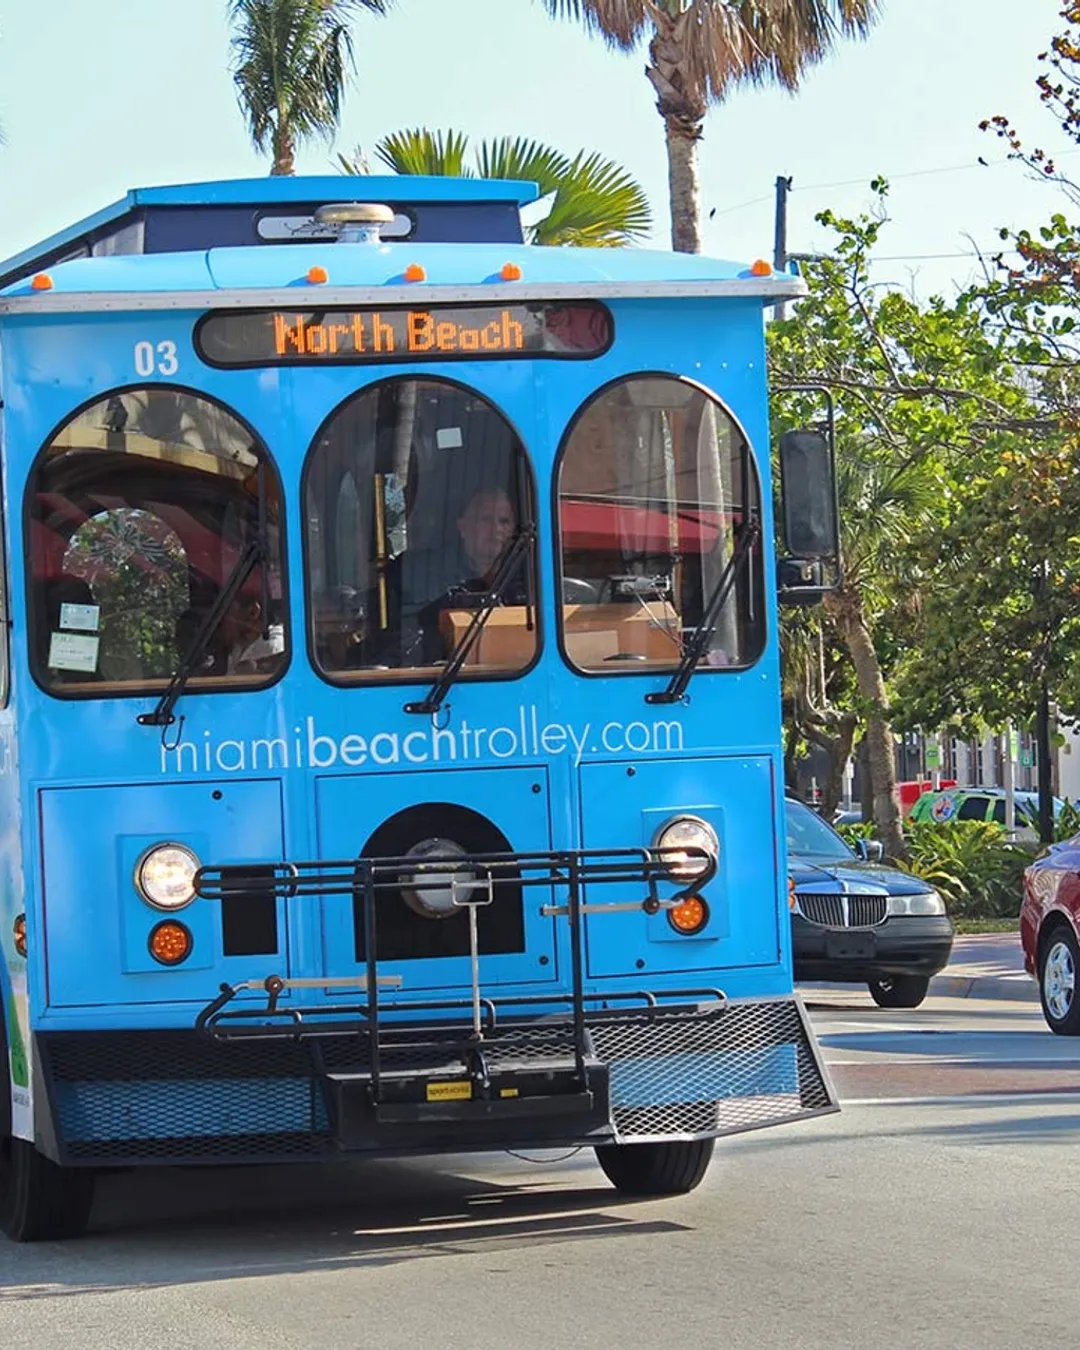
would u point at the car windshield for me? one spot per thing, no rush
(808, 836)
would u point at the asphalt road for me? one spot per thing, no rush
(937, 1210)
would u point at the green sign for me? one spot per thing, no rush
(933, 756)
(1027, 759)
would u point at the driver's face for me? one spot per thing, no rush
(486, 525)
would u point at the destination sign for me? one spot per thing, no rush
(280, 337)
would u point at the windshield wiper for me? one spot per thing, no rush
(258, 551)
(504, 574)
(695, 648)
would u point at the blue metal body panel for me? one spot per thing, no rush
(551, 721)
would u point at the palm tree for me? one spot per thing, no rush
(700, 49)
(291, 60)
(595, 202)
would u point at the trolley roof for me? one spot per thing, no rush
(253, 210)
(466, 265)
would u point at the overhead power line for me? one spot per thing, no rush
(890, 177)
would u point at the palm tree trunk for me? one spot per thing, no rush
(682, 102)
(684, 185)
(846, 609)
(284, 151)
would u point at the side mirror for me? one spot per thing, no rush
(870, 850)
(809, 517)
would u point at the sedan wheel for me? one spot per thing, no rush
(1057, 983)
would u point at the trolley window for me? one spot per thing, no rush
(141, 509)
(416, 494)
(656, 488)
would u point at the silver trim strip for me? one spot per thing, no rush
(295, 297)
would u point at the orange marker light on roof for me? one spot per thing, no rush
(511, 272)
(42, 282)
(761, 268)
(318, 276)
(415, 272)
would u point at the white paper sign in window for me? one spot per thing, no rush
(73, 651)
(85, 618)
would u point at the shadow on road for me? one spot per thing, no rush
(176, 1226)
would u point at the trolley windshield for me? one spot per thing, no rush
(140, 508)
(658, 513)
(415, 493)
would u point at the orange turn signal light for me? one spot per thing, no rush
(511, 271)
(689, 915)
(19, 934)
(761, 268)
(791, 901)
(171, 942)
(318, 276)
(42, 282)
(415, 272)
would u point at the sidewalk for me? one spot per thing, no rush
(986, 965)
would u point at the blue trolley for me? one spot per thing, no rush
(390, 694)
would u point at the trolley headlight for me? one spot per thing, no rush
(677, 837)
(431, 890)
(165, 876)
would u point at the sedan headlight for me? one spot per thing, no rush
(165, 876)
(910, 906)
(677, 837)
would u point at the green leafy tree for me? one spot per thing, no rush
(291, 61)
(1006, 632)
(595, 202)
(699, 50)
(918, 390)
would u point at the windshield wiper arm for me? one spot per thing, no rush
(162, 715)
(258, 551)
(695, 648)
(504, 574)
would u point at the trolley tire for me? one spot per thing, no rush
(39, 1200)
(899, 991)
(656, 1169)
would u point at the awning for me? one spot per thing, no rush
(606, 526)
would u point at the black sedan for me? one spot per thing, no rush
(853, 919)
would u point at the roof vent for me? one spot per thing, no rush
(355, 222)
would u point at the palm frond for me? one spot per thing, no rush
(291, 60)
(598, 205)
(421, 151)
(621, 23)
(524, 160)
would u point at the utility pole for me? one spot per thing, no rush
(780, 253)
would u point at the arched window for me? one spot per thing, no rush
(659, 506)
(415, 494)
(142, 509)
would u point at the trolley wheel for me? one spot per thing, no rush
(656, 1169)
(39, 1201)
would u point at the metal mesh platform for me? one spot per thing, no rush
(180, 1097)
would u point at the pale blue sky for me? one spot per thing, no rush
(99, 97)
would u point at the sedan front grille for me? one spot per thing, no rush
(843, 911)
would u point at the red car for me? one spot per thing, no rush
(1049, 928)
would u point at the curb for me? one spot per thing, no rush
(1016, 989)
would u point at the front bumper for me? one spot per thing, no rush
(899, 946)
(663, 1072)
